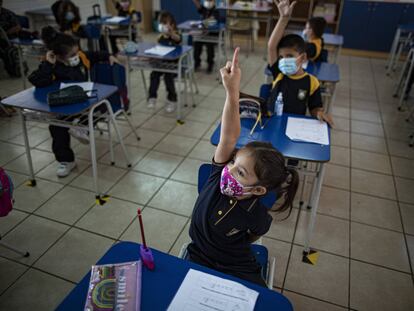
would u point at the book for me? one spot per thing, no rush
(115, 287)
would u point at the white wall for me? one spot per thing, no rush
(20, 6)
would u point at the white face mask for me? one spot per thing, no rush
(74, 60)
(208, 4)
(162, 28)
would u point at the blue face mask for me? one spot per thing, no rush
(70, 16)
(288, 66)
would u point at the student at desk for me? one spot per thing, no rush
(207, 11)
(170, 37)
(68, 18)
(65, 62)
(286, 55)
(312, 34)
(228, 215)
(124, 9)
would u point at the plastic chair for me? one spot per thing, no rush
(23, 21)
(114, 75)
(261, 253)
(93, 34)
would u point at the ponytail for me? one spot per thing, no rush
(273, 174)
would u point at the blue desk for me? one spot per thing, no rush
(160, 285)
(274, 132)
(179, 62)
(32, 106)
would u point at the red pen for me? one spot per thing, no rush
(145, 252)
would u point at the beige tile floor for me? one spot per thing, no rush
(364, 229)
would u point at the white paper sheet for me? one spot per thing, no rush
(206, 292)
(86, 86)
(307, 130)
(159, 50)
(116, 19)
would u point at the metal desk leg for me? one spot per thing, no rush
(128, 67)
(117, 131)
(179, 99)
(98, 197)
(32, 181)
(310, 256)
(393, 51)
(22, 73)
(145, 83)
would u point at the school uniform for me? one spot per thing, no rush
(155, 76)
(198, 46)
(47, 74)
(220, 230)
(314, 49)
(300, 93)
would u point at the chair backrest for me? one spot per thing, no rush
(92, 31)
(265, 90)
(204, 172)
(324, 56)
(112, 75)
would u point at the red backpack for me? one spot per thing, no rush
(6, 193)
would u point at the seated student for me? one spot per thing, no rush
(171, 37)
(312, 34)
(68, 18)
(207, 11)
(228, 215)
(65, 62)
(125, 9)
(286, 54)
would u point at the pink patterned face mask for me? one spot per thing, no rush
(230, 186)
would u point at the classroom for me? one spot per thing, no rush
(207, 155)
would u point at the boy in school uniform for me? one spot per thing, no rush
(286, 55)
(312, 34)
(207, 10)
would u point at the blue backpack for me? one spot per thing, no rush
(6, 193)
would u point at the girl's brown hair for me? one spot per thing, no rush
(167, 17)
(272, 172)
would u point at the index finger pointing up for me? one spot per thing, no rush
(235, 62)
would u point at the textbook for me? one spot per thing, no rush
(115, 287)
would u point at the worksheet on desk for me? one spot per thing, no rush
(116, 19)
(159, 50)
(307, 130)
(206, 292)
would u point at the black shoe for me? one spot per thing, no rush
(210, 68)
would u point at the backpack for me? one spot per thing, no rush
(6, 193)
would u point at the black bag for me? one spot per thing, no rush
(69, 95)
(253, 107)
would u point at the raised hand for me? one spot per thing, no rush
(231, 74)
(285, 7)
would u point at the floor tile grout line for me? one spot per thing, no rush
(350, 201)
(315, 298)
(396, 190)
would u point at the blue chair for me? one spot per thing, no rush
(23, 21)
(261, 253)
(93, 34)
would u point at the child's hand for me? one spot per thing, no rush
(51, 57)
(231, 74)
(322, 116)
(113, 60)
(285, 8)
